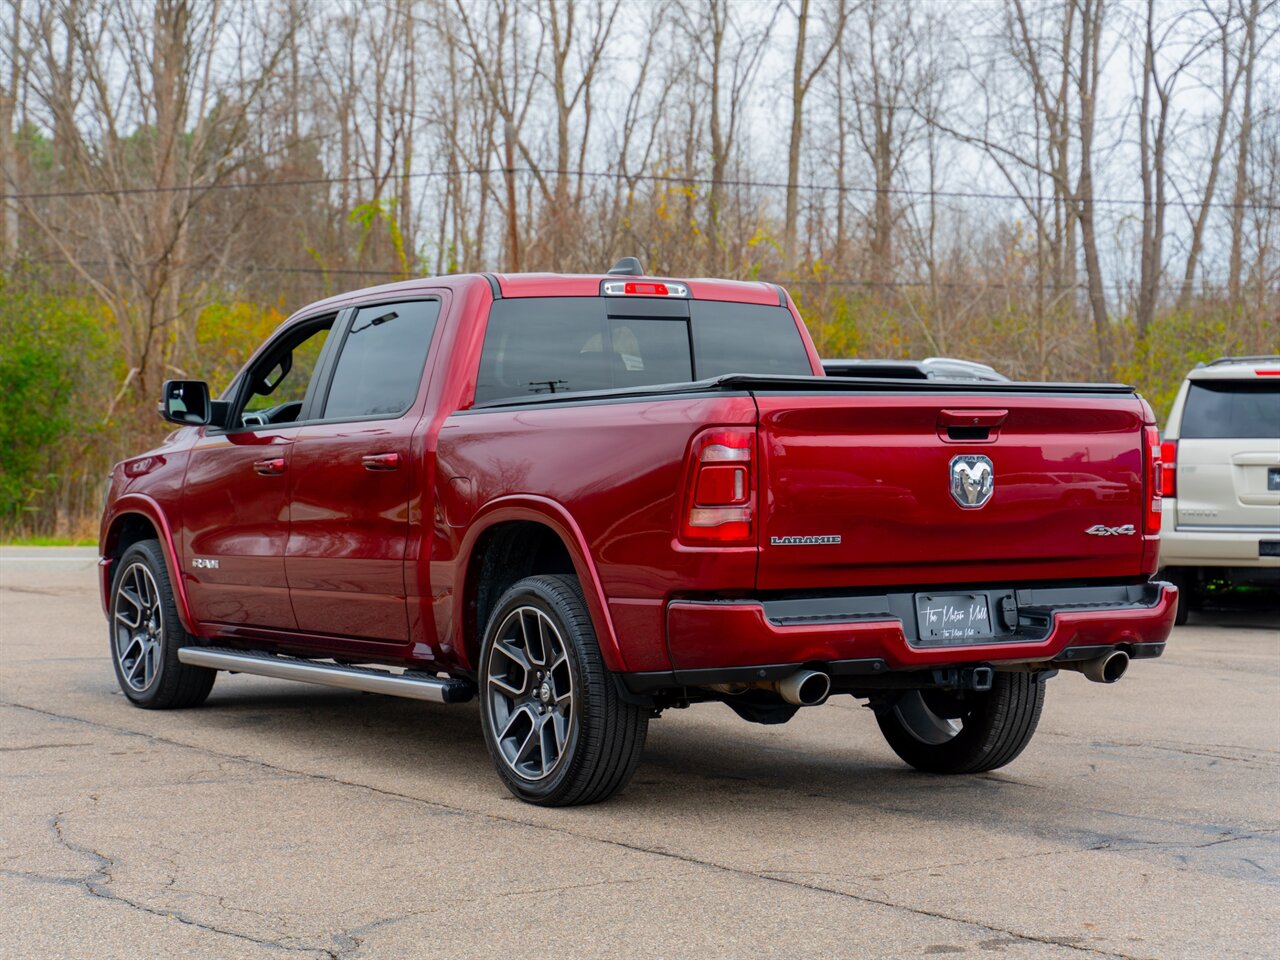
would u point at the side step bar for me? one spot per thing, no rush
(415, 686)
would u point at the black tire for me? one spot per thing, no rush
(603, 735)
(144, 640)
(994, 727)
(1188, 591)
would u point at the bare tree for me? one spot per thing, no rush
(729, 50)
(8, 149)
(1154, 125)
(802, 77)
(147, 126)
(1230, 67)
(1248, 57)
(1088, 75)
(504, 60)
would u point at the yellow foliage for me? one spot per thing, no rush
(226, 335)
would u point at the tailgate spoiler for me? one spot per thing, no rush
(779, 384)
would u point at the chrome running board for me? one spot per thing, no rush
(415, 686)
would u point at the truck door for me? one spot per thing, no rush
(235, 508)
(355, 468)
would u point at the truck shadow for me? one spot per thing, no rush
(706, 778)
(695, 760)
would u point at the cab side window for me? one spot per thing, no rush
(278, 382)
(380, 365)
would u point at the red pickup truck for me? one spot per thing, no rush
(585, 499)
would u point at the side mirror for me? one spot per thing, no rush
(186, 402)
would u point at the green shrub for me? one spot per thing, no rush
(48, 344)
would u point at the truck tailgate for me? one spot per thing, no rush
(857, 488)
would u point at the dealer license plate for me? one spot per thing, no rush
(953, 618)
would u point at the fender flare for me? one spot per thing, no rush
(551, 514)
(138, 504)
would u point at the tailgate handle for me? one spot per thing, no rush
(970, 424)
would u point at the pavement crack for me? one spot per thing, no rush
(1188, 749)
(97, 883)
(1064, 943)
(43, 746)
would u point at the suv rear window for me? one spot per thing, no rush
(1231, 409)
(568, 344)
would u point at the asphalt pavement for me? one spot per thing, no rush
(283, 820)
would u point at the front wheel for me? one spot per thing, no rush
(558, 730)
(940, 731)
(146, 634)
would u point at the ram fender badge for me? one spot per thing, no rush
(1102, 530)
(804, 541)
(200, 563)
(973, 480)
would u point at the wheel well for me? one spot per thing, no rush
(126, 530)
(505, 554)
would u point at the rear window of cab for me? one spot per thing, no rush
(571, 344)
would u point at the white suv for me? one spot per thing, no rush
(1221, 480)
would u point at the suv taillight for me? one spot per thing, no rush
(1169, 468)
(720, 500)
(1154, 482)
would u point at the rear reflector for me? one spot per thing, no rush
(643, 288)
(720, 502)
(1154, 481)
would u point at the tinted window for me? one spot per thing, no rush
(746, 338)
(1231, 408)
(380, 366)
(564, 344)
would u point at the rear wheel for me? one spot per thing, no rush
(940, 731)
(145, 635)
(554, 722)
(1188, 584)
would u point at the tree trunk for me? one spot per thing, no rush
(797, 134)
(1089, 72)
(1236, 259)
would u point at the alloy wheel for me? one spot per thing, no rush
(530, 695)
(138, 622)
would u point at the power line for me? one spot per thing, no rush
(852, 282)
(809, 187)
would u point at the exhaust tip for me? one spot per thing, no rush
(1105, 669)
(807, 688)
(1115, 666)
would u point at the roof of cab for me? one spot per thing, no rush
(514, 285)
(588, 285)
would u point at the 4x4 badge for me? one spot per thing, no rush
(1102, 530)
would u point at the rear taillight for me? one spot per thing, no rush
(1154, 482)
(1169, 468)
(720, 501)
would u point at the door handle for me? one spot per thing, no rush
(381, 462)
(269, 468)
